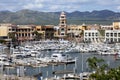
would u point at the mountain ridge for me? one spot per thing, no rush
(43, 18)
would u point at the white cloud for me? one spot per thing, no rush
(32, 6)
(59, 5)
(108, 2)
(118, 7)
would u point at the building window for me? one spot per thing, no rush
(22, 34)
(96, 34)
(62, 25)
(85, 34)
(115, 34)
(119, 34)
(111, 34)
(85, 39)
(62, 33)
(19, 34)
(92, 34)
(107, 34)
(62, 29)
(118, 39)
(89, 34)
(107, 39)
(25, 34)
(29, 34)
(89, 39)
(115, 40)
(97, 39)
(25, 30)
(62, 22)
(38, 29)
(62, 17)
(111, 40)
(68, 29)
(10, 30)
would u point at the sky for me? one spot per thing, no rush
(60, 5)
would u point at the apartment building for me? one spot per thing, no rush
(91, 36)
(91, 33)
(112, 36)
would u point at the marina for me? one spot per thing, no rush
(54, 40)
(33, 60)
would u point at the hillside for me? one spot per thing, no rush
(42, 18)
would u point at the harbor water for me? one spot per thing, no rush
(80, 65)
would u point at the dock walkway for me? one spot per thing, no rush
(13, 77)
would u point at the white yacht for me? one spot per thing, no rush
(58, 57)
(4, 60)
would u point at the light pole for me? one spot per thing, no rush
(82, 62)
(75, 68)
(82, 66)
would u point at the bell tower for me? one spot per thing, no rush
(62, 25)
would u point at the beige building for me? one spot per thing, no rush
(22, 32)
(4, 30)
(49, 31)
(76, 30)
(25, 32)
(107, 27)
(116, 25)
(39, 30)
(93, 27)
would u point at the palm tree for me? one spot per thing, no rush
(93, 62)
(12, 36)
(114, 73)
(96, 64)
(101, 73)
(38, 36)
